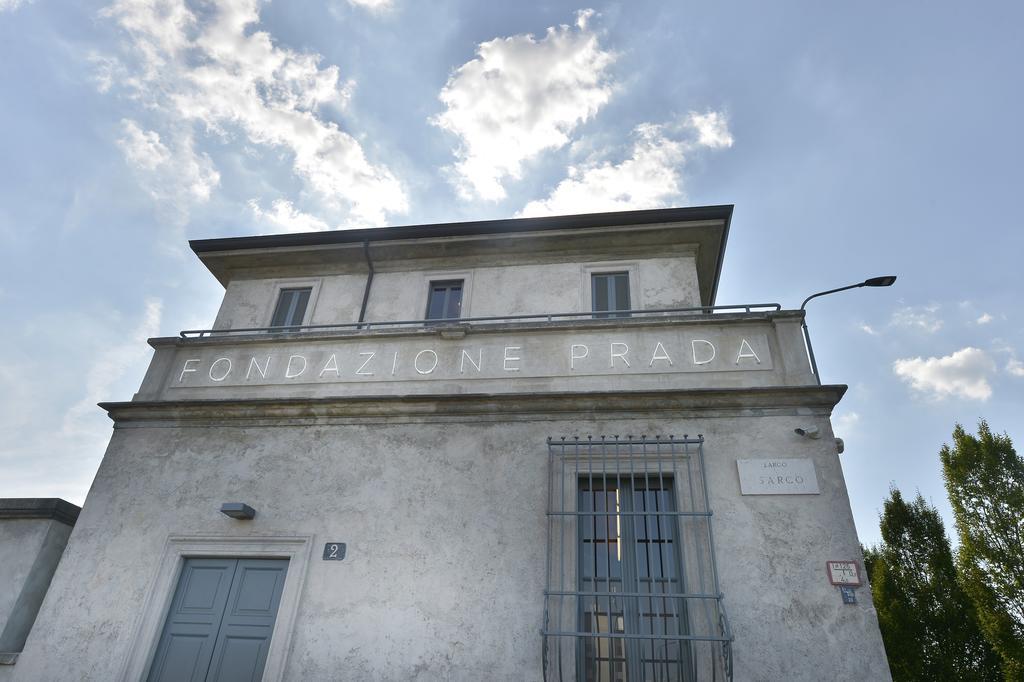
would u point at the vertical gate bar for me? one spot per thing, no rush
(547, 563)
(707, 507)
(581, 603)
(711, 537)
(607, 550)
(676, 556)
(593, 545)
(561, 557)
(649, 548)
(638, 643)
(698, 549)
(622, 549)
(692, 648)
(586, 516)
(653, 584)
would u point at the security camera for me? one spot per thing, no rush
(809, 432)
(840, 445)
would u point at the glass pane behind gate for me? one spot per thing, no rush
(641, 554)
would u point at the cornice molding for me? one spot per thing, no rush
(39, 508)
(758, 401)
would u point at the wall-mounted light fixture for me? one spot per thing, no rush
(238, 510)
(810, 432)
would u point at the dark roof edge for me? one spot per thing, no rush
(39, 508)
(481, 227)
(721, 258)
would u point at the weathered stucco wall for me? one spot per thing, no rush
(250, 303)
(443, 514)
(20, 542)
(30, 550)
(514, 289)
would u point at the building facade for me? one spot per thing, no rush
(529, 449)
(33, 534)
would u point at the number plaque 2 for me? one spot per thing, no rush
(334, 551)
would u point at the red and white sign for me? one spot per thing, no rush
(844, 573)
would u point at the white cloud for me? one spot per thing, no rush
(61, 433)
(141, 148)
(109, 367)
(179, 176)
(922, 317)
(712, 129)
(11, 5)
(519, 97)
(985, 318)
(845, 424)
(646, 179)
(650, 177)
(372, 5)
(222, 76)
(964, 373)
(285, 217)
(868, 329)
(1015, 367)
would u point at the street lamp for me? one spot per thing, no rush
(884, 281)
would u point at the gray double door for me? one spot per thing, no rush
(219, 625)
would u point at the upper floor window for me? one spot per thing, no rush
(291, 307)
(610, 294)
(444, 301)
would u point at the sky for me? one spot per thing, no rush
(854, 139)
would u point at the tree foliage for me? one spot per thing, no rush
(928, 623)
(985, 481)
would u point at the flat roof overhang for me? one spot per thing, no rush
(709, 230)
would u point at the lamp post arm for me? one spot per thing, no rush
(830, 291)
(884, 281)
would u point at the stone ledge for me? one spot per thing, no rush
(8, 659)
(484, 407)
(39, 508)
(582, 322)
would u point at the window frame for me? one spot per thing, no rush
(587, 272)
(279, 285)
(572, 462)
(451, 281)
(610, 279)
(288, 323)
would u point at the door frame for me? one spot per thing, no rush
(296, 548)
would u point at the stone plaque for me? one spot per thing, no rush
(777, 477)
(477, 357)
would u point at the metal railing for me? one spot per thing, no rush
(633, 590)
(447, 322)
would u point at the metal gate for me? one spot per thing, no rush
(632, 585)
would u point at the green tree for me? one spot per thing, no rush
(928, 623)
(985, 481)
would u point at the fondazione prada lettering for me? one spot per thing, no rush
(485, 359)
